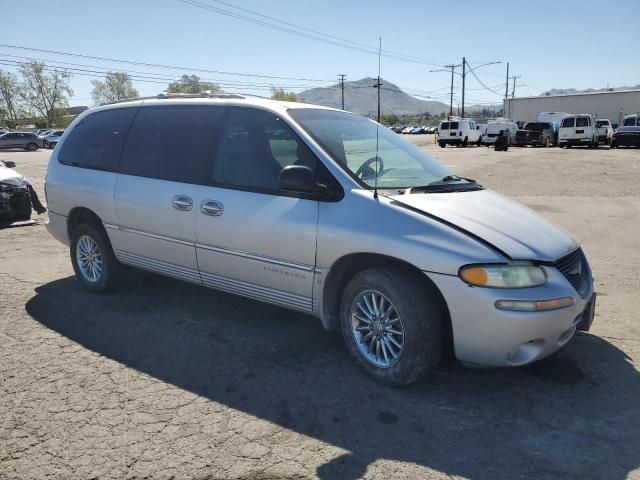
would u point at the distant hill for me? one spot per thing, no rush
(360, 97)
(569, 91)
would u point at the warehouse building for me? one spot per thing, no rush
(613, 105)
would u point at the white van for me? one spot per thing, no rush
(578, 130)
(459, 132)
(494, 129)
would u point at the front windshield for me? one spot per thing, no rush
(351, 141)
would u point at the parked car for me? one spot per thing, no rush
(578, 130)
(52, 138)
(15, 202)
(537, 134)
(24, 140)
(416, 130)
(626, 137)
(460, 133)
(357, 226)
(631, 120)
(494, 129)
(604, 130)
(431, 130)
(42, 131)
(406, 130)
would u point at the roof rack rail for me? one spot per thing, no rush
(180, 95)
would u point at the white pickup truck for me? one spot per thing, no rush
(605, 130)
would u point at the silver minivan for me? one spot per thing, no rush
(320, 211)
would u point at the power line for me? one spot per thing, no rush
(158, 65)
(143, 74)
(302, 32)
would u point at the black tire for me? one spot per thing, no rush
(111, 268)
(442, 145)
(547, 142)
(31, 147)
(479, 142)
(465, 142)
(422, 315)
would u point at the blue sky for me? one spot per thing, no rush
(557, 44)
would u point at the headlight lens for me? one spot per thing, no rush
(503, 276)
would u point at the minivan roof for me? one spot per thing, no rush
(210, 98)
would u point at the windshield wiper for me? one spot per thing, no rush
(451, 178)
(445, 185)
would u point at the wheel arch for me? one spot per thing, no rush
(344, 269)
(80, 215)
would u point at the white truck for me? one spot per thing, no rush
(578, 130)
(460, 132)
(604, 130)
(494, 129)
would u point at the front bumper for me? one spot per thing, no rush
(450, 141)
(15, 205)
(487, 336)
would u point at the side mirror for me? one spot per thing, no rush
(9, 164)
(299, 179)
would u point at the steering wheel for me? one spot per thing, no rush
(365, 171)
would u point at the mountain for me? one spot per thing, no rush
(360, 97)
(569, 91)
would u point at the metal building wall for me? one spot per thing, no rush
(611, 105)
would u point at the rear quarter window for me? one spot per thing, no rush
(96, 142)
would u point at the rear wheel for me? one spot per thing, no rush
(92, 257)
(465, 142)
(32, 147)
(442, 145)
(392, 326)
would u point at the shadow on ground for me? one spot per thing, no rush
(573, 415)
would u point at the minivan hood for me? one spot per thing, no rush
(511, 227)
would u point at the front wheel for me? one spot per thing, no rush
(93, 261)
(442, 145)
(31, 147)
(393, 327)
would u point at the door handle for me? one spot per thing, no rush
(212, 208)
(182, 202)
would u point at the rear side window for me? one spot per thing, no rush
(454, 125)
(582, 122)
(568, 122)
(172, 142)
(96, 142)
(444, 126)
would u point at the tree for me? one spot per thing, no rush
(11, 108)
(390, 119)
(192, 84)
(44, 92)
(116, 86)
(282, 95)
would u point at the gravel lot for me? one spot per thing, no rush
(170, 380)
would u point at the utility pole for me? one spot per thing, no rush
(453, 68)
(514, 78)
(464, 63)
(342, 75)
(377, 85)
(506, 94)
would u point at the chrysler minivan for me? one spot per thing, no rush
(321, 211)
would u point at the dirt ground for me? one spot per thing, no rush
(169, 380)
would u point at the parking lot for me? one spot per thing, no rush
(169, 380)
